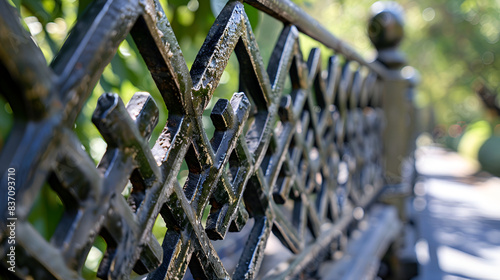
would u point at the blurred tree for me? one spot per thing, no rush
(453, 43)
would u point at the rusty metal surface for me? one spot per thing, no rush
(297, 162)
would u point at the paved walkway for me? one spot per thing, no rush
(457, 213)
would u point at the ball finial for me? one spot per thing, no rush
(386, 25)
(385, 30)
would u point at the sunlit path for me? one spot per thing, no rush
(458, 216)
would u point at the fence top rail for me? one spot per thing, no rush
(288, 12)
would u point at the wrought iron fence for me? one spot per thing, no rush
(296, 163)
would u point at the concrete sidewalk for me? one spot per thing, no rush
(457, 213)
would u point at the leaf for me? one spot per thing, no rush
(37, 9)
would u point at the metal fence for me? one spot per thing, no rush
(296, 163)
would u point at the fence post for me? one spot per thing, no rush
(386, 32)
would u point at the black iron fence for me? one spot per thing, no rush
(297, 163)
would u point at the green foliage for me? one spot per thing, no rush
(454, 44)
